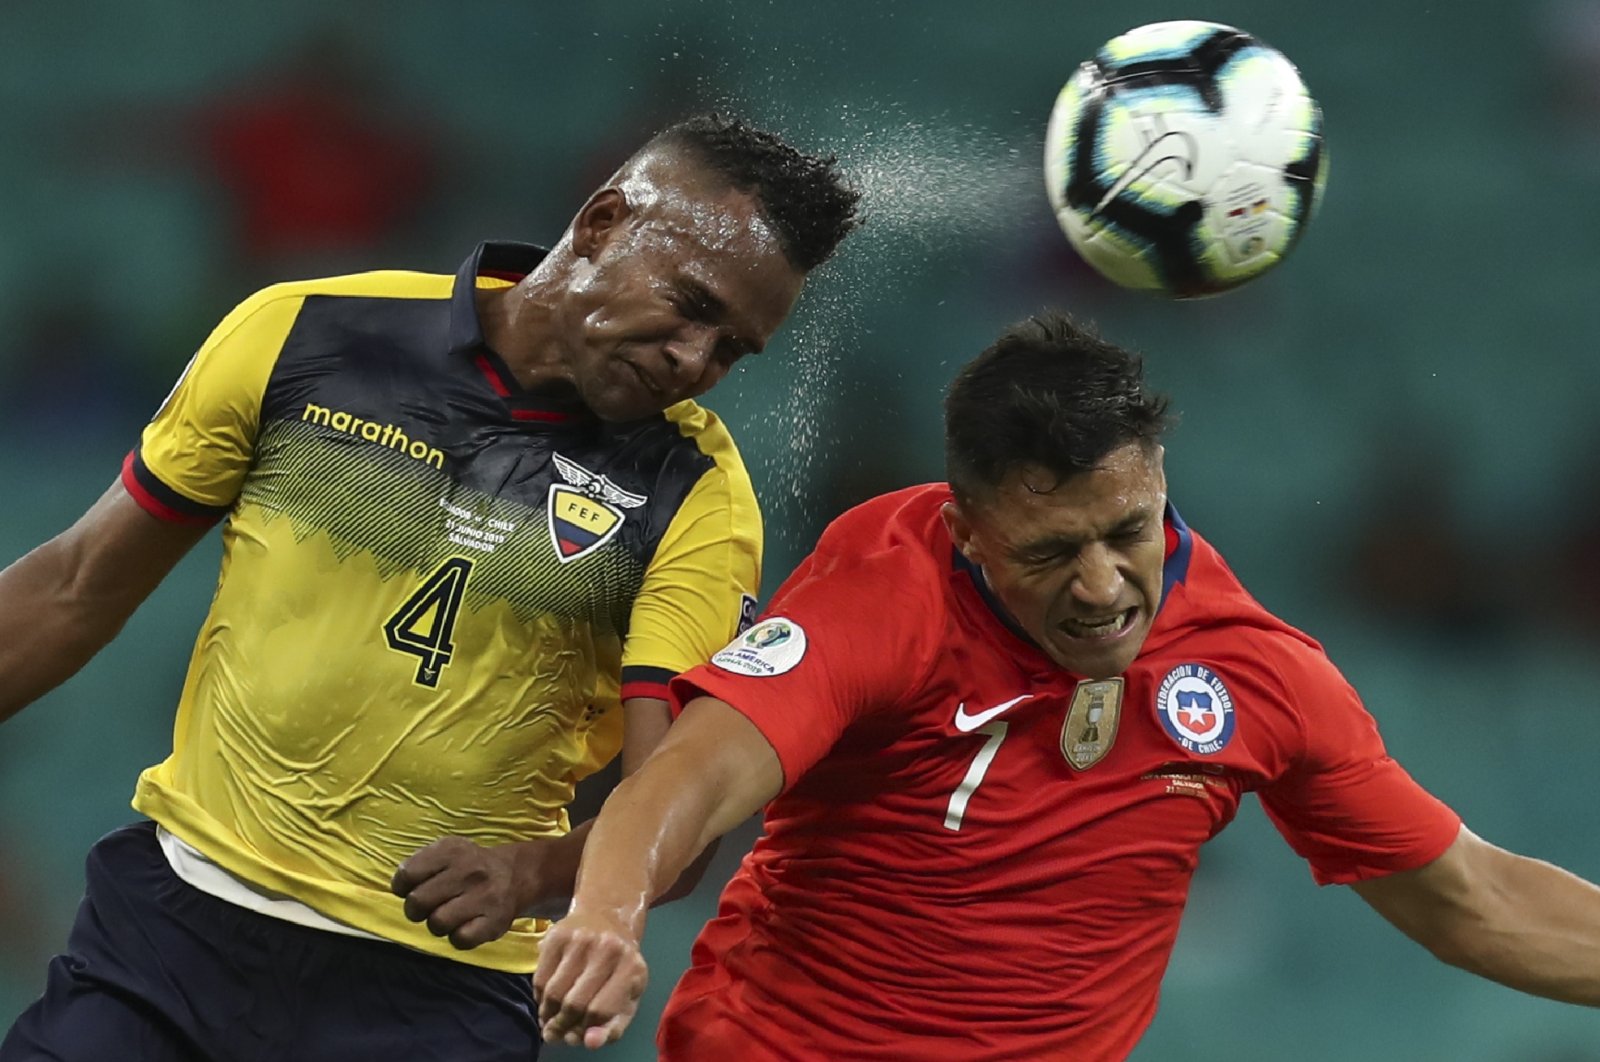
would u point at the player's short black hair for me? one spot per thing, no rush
(806, 198)
(1048, 392)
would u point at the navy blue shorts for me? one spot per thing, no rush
(157, 971)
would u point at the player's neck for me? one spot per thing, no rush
(521, 329)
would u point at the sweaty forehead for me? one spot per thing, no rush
(676, 199)
(1127, 483)
(716, 224)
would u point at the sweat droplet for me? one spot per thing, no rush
(926, 190)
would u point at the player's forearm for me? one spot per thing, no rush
(547, 871)
(649, 831)
(547, 878)
(50, 625)
(1536, 929)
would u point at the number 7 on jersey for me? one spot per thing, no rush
(957, 810)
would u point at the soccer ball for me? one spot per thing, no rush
(1185, 158)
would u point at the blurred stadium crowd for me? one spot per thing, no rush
(1391, 438)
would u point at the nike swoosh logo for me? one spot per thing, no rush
(968, 723)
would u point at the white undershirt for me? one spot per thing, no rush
(192, 866)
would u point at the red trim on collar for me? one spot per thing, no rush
(493, 377)
(502, 387)
(548, 415)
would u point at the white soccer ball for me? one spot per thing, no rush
(1185, 158)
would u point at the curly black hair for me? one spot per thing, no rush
(1049, 392)
(805, 197)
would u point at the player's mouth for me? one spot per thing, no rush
(647, 381)
(1100, 628)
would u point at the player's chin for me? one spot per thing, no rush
(632, 405)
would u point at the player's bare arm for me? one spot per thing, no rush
(471, 893)
(713, 771)
(66, 599)
(1519, 921)
(645, 723)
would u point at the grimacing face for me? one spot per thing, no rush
(672, 291)
(1076, 562)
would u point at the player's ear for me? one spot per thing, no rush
(600, 219)
(960, 529)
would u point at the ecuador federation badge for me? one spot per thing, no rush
(585, 511)
(1091, 724)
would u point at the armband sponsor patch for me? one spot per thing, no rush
(1195, 709)
(771, 647)
(182, 376)
(749, 609)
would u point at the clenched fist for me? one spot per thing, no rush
(589, 980)
(471, 893)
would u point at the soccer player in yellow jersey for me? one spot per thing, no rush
(472, 525)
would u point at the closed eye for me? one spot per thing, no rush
(1130, 535)
(696, 302)
(691, 308)
(1042, 558)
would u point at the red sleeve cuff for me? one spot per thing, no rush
(160, 500)
(708, 681)
(1442, 835)
(648, 682)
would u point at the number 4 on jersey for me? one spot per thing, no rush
(423, 625)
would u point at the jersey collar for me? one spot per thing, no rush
(511, 262)
(1180, 547)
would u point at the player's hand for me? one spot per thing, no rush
(466, 891)
(589, 980)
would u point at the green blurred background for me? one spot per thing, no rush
(1391, 437)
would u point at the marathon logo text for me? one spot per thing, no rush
(388, 435)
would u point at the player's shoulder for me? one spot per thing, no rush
(705, 432)
(881, 573)
(1216, 615)
(896, 541)
(685, 444)
(899, 518)
(377, 284)
(278, 305)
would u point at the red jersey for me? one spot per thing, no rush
(980, 856)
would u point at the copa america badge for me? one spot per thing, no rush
(771, 647)
(1196, 709)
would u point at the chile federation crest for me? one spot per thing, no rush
(1196, 709)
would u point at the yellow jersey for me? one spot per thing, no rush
(435, 587)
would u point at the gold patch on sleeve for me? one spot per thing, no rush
(1091, 724)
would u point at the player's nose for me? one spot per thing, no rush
(690, 352)
(1098, 580)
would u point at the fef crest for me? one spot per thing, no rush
(585, 512)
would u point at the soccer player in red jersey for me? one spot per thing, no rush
(992, 724)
